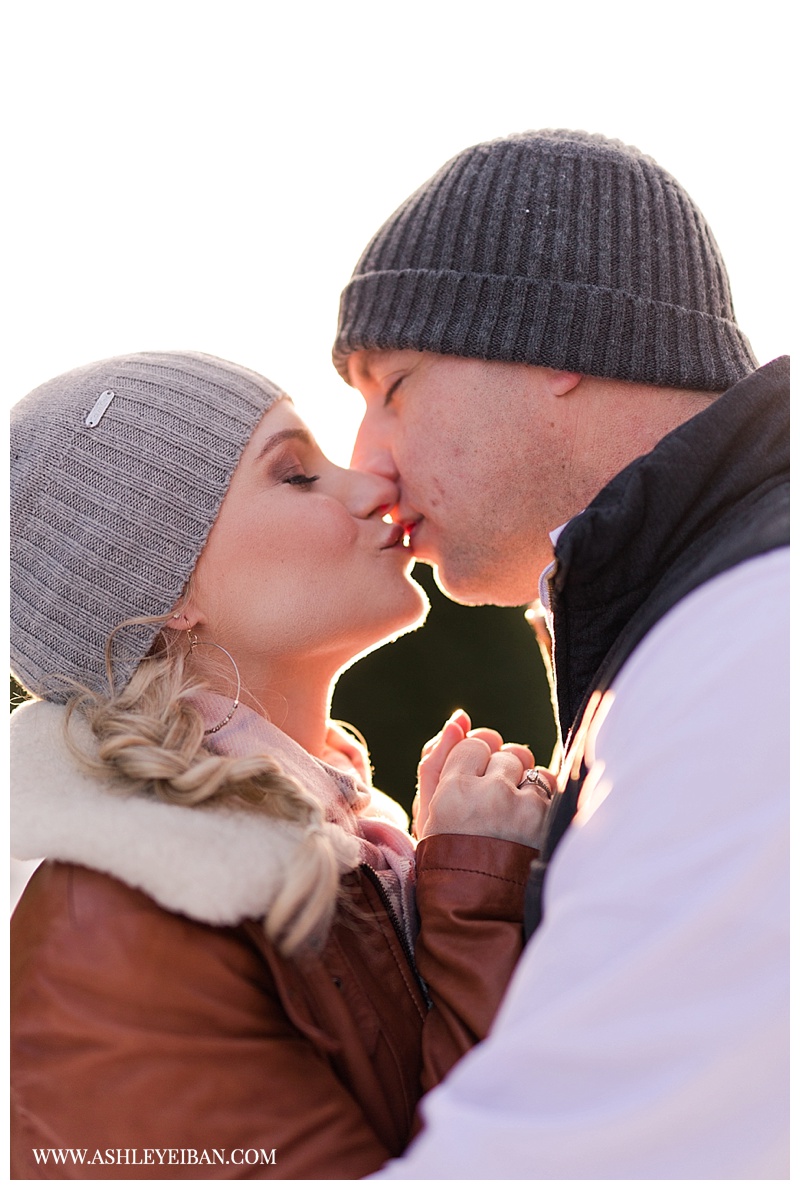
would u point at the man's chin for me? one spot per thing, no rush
(479, 590)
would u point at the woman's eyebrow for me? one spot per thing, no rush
(281, 436)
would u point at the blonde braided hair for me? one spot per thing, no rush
(150, 740)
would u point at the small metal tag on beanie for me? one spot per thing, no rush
(98, 409)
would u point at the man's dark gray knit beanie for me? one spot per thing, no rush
(118, 472)
(557, 248)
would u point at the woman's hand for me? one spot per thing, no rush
(468, 785)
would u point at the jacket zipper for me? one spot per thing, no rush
(375, 879)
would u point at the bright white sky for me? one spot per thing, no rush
(196, 175)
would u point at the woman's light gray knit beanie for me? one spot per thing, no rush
(557, 248)
(118, 471)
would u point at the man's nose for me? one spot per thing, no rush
(371, 453)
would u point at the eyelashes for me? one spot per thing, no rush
(301, 481)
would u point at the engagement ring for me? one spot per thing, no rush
(534, 777)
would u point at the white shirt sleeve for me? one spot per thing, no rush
(645, 1031)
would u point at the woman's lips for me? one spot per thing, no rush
(400, 534)
(394, 537)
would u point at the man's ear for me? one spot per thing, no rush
(562, 383)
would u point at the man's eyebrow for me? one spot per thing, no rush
(281, 436)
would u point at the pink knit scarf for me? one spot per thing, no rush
(347, 797)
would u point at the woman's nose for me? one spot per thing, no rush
(371, 494)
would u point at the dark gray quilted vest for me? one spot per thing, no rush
(712, 494)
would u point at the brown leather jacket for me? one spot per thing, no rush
(161, 1046)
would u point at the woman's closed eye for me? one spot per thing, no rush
(290, 466)
(301, 480)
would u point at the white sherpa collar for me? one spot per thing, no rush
(216, 865)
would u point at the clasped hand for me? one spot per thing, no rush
(468, 785)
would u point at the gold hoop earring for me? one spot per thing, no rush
(193, 642)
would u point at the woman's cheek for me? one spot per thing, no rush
(312, 560)
(333, 532)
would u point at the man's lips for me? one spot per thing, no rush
(410, 529)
